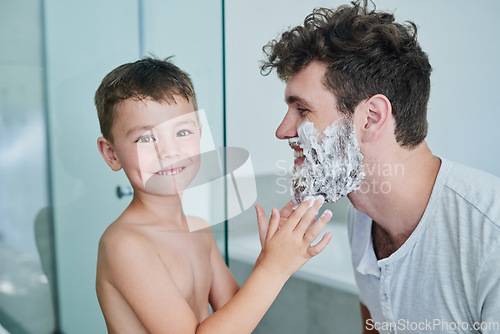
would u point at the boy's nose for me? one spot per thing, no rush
(167, 147)
(288, 127)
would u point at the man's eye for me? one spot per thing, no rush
(145, 139)
(302, 111)
(183, 133)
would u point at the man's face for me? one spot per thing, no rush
(158, 144)
(308, 100)
(328, 160)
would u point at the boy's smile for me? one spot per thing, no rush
(170, 171)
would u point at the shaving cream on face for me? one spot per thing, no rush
(333, 164)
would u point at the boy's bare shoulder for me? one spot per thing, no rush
(122, 237)
(197, 223)
(128, 233)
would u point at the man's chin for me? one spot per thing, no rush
(308, 180)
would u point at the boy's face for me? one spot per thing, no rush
(157, 144)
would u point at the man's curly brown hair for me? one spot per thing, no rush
(366, 53)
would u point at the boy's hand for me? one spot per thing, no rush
(263, 222)
(287, 245)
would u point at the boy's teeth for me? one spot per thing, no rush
(170, 171)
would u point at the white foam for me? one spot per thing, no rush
(333, 162)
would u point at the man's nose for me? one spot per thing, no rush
(288, 127)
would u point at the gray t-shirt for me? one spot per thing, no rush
(446, 277)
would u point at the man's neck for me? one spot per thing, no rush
(396, 192)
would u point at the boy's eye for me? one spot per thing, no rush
(145, 139)
(183, 133)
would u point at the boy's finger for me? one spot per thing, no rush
(274, 223)
(320, 246)
(296, 215)
(310, 215)
(287, 210)
(312, 221)
(316, 229)
(262, 223)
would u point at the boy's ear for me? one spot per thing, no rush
(374, 114)
(108, 153)
(201, 128)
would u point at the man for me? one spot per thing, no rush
(425, 232)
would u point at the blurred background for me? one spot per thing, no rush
(57, 195)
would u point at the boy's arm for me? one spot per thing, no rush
(224, 285)
(286, 249)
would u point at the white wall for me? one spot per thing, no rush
(460, 37)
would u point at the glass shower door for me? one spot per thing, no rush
(54, 54)
(26, 298)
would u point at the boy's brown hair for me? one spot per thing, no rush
(150, 78)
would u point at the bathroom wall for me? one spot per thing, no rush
(304, 306)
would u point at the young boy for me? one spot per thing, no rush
(153, 274)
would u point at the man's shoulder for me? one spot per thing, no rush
(478, 189)
(470, 176)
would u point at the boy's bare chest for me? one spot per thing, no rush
(186, 257)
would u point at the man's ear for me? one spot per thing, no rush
(108, 153)
(374, 114)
